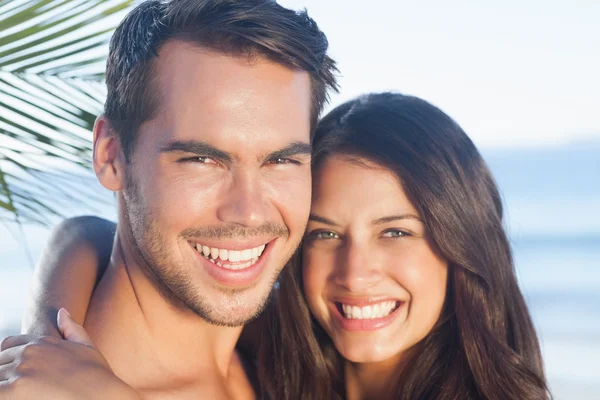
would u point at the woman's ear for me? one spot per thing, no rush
(108, 157)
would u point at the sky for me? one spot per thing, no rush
(513, 73)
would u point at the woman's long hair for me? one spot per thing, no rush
(289, 362)
(484, 345)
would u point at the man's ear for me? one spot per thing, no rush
(108, 157)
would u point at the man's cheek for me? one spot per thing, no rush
(297, 195)
(184, 202)
(302, 208)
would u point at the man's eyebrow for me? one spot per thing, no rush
(318, 218)
(197, 147)
(392, 218)
(293, 149)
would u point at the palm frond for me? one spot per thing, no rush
(52, 60)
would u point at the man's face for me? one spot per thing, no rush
(218, 190)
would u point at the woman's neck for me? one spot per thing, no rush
(373, 380)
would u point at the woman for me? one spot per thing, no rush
(406, 268)
(407, 220)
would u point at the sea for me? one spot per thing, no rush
(552, 203)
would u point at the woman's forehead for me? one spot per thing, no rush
(358, 188)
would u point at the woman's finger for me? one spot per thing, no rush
(9, 355)
(18, 340)
(71, 330)
(7, 371)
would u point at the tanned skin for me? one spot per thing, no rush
(73, 262)
(225, 163)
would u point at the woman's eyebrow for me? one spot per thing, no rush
(397, 217)
(317, 218)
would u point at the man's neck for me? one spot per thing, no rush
(148, 341)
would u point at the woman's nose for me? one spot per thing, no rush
(357, 268)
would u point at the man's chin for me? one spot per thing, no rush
(232, 317)
(229, 321)
(230, 307)
(217, 303)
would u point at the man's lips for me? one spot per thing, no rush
(232, 244)
(241, 272)
(228, 257)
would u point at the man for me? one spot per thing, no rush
(206, 141)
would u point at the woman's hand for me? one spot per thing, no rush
(52, 368)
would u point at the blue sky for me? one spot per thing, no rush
(512, 73)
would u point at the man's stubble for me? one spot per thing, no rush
(171, 278)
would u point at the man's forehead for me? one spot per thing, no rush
(223, 101)
(182, 68)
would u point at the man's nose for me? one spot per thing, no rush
(245, 202)
(358, 268)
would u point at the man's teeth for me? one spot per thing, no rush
(241, 258)
(378, 310)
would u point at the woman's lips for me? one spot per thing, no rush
(356, 315)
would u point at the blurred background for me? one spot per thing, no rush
(520, 76)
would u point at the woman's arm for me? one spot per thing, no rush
(52, 368)
(74, 260)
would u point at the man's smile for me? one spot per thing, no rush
(230, 259)
(240, 267)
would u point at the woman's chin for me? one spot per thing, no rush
(366, 352)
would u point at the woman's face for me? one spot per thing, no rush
(372, 277)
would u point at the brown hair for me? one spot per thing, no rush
(484, 345)
(291, 364)
(250, 28)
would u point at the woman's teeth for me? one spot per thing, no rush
(378, 310)
(230, 259)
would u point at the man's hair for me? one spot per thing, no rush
(250, 28)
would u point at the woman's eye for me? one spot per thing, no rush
(323, 235)
(395, 233)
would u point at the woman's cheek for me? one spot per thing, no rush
(313, 279)
(424, 276)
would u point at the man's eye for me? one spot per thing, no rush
(198, 159)
(323, 235)
(281, 161)
(395, 233)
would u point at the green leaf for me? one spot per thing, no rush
(52, 57)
